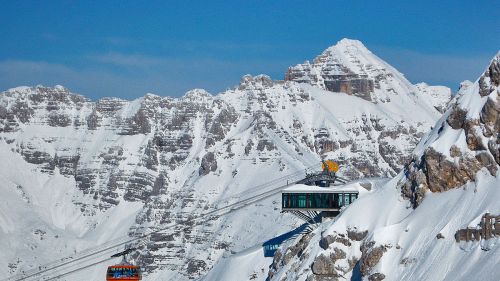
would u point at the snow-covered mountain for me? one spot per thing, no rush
(409, 228)
(77, 174)
(349, 67)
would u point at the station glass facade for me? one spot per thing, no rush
(317, 200)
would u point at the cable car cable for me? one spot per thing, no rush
(245, 202)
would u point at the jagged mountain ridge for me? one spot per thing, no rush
(408, 228)
(135, 165)
(351, 68)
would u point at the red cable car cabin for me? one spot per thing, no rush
(123, 272)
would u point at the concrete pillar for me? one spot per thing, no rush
(487, 227)
(477, 234)
(497, 226)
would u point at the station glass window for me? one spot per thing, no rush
(354, 196)
(324, 200)
(316, 200)
(285, 201)
(308, 200)
(301, 201)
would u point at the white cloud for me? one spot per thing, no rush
(129, 60)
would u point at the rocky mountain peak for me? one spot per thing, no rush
(436, 96)
(41, 92)
(490, 79)
(349, 67)
(346, 46)
(197, 94)
(464, 85)
(259, 82)
(466, 140)
(351, 42)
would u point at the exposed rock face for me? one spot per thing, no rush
(342, 253)
(490, 80)
(376, 277)
(349, 67)
(323, 265)
(330, 72)
(259, 82)
(356, 235)
(333, 262)
(439, 171)
(325, 241)
(370, 256)
(335, 77)
(296, 251)
(456, 119)
(208, 164)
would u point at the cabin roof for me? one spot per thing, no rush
(302, 188)
(123, 266)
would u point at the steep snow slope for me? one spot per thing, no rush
(84, 173)
(436, 96)
(406, 229)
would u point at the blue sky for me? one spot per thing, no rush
(127, 48)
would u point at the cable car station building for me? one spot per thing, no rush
(319, 195)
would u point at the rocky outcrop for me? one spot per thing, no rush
(438, 170)
(490, 80)
(284, 257)
(325, 241)
(334, 260)
(324, 265)
(356, 235)
(259, 82)
(370, 256)
(208, 164)
(456, 119)
(376, 277)
(330, 73)
(435, 172)
(220, 125)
